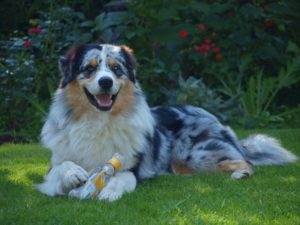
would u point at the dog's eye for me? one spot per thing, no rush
(89, 69)
(115, 67)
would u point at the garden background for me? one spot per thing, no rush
(238, 59)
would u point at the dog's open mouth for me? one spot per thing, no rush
(102, 101)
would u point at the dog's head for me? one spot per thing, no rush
(100, 72)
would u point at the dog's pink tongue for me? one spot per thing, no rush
(104, 100)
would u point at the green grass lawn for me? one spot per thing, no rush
(271, 196)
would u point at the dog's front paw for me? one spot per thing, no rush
(118, 185)
(73, 175)
(110, 194)
(113, 190)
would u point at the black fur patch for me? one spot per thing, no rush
(70, 63)
(213, 146)
(223, 159)
(136, 168)
(203, 136)
(156, 142)
(130, 63)
(188, 158)
(168, 118)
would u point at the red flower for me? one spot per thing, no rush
(201, 26)
(27, 43)
(35, 30)
(216, 50)
(206, 48)
(213, 34)
(198, 48)
(202, 48)
(269, 23)
(183, 34)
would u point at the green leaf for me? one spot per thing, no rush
(200, 7)
(292, 47)
(112, 19)
(268, 51)
(221, 7)
(251, 12)
(88, 24)
(114, 3)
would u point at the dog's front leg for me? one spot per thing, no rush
(118, 185)
(62, 178)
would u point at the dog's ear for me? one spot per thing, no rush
(66, 66)
(65, 69)
(130, 60)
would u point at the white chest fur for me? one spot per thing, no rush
(92, 140)
(92, 143)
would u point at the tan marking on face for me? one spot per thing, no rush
(233, 165)
(111, 62)
(93, 63)
(125, 99)
(77, 100)
(181, 168)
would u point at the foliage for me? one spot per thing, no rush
(221, 50)
(271, 196)
(195, 92)
(29, 73)
(261, 92)
(16, 16)
(223, 44)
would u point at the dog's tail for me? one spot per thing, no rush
(264, 150)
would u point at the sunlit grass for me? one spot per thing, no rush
(271, 196)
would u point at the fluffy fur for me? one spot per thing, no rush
(99, 109)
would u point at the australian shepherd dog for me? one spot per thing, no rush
(99, 109)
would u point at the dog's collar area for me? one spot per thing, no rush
(95, 101)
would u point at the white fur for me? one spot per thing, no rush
(80, 145)
(93, 85)
(63, 178)
(104, 71)
(263, 144)
(90, 142)
(118, 185)
(92, 54)
(240, 174)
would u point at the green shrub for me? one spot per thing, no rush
(28, 66)
(230, 57)
(223, 44)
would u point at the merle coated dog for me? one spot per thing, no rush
(99, 109)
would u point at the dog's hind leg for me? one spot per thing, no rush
(239, 168)
(214, 156)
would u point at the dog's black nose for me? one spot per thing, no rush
(105, 83)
